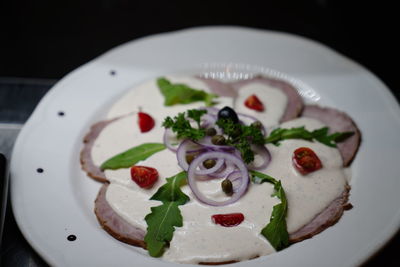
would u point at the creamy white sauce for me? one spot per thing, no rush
(147, 96)
(273, 99)
(200, 240)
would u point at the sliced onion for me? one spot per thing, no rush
(227, 157)
(233, 177)
(185, 147)
(206, 142)
(167, 138)
(208, 120)
(204, 171)
(224, 171)
(263, 152)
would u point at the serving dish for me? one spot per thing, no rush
(53, 199)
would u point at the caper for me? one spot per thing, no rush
(228, 113)
(209, 163)
(218, 140)
(211, 132)
(189, 158)
(236, 132)
(227, 187)
(257, 124)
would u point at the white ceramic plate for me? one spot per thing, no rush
(58, 202)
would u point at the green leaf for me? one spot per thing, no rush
(171, 192)
(242, 137)
(320, 135)
(196, 114)
(276, 230)
(182, 127)
(162, 220)
(160, 227)
(259, 178)
(131, 156)
(182, 94)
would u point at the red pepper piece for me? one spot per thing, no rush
(228, 220)
(305, 160)
(145, 121)
(143, 176)
(253, 102)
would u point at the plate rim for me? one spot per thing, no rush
(58, 87)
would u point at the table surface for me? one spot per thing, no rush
(43, 41)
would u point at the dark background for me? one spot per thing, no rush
(48, 39)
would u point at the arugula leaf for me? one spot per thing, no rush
(182, 127)
(162, 220)
(171, 192)
(276, 230)
(176, 93)
(320, 135)
(131, 156)
(242, 137)
(160, 227)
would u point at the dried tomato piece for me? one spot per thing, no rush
(305, 160)
(253, 102)
(144, 176)
(145, 121)
(228, 220)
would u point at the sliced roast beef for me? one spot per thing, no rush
(337, 121)
(295, 102)
(86, 158)
(328, 217)
(218, 87)
(114, 224)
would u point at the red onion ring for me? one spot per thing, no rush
(166, 139)
(185, 148)
(223, 172)
(227, 157)
(265, 155)
(233, 177)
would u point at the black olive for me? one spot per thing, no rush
(228, 113)
(218, 140)
(227, 187)
(211, 132)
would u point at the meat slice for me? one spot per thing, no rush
(114, 224)
(337, 121)
(328, 217)
(295, 102)
(86, 158)
(218, 87)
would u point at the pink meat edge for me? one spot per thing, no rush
(87, 163)
(328, 217)
(219, 88)
(337, 121)
(114, 224)
(295, 102)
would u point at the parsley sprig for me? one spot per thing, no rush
(180, 124)
(242, 137)
(321, 135)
